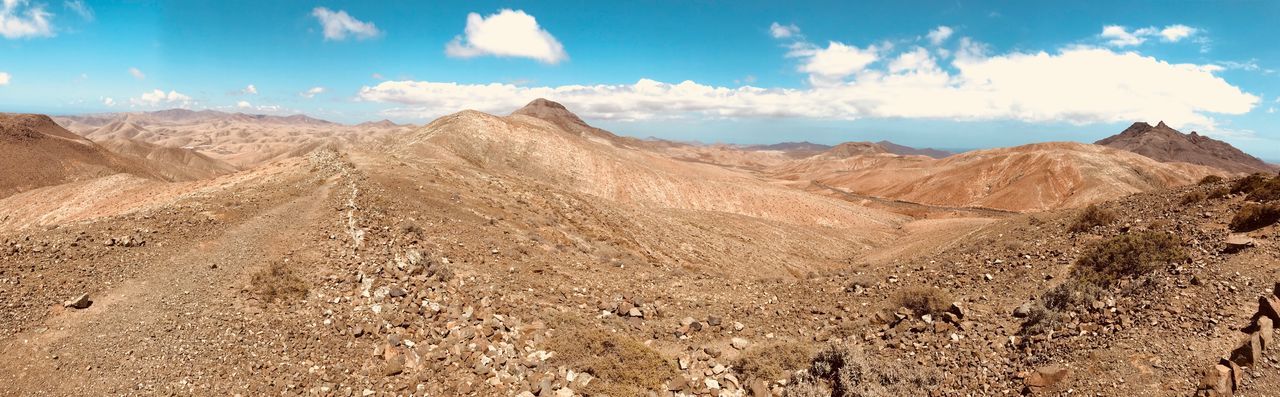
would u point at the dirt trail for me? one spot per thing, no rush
(179, 328)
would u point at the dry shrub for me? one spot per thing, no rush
(1193, 197)
(1266, 191)
(1219, 193)
(923, 300)
(1093, 216)
(277, 282)
(1041, 320)
(1071, 294)
(1126, 255)
(1249, 184)
(846, 371)
(622, 366)
(1255, 216)
(771, 362)
(1210, 179)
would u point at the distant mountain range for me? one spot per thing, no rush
(1166, 144)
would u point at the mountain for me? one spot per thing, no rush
(175, 164)
(1169, 145)
(239, 139)
(910, 151)
(1034, 177)
(36, 152)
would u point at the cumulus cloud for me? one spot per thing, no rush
(4, 78)
(108, 101)
(509, 33)
(20, 19)
(1078, 85)
(80, 8)
(158, 97)
(780, 31)
(338, 25)
(137, 74)
(312, 92)
(243, 105)
(1175, 33)
(1120, 36)
(834, 63)
(939, 35)
(249, 90)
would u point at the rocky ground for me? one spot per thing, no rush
(362, 273)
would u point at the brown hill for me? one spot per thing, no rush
(36, 152)
(1169, 145)
(175, 164)
(1033, 177)
(242, 140)
(910, 151)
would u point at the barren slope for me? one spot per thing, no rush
(35, 152)
(1169, 145)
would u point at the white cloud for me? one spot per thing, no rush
(243, 105)
(249, 90)
(1175, 33)
(20, 19)
(779, 31)
(940, 34)
(376, 76)
(338, 25)
(137, 74)
(80, 8)
(160, 98)
(1120, 36)
(4, 78)
(509, 33)
(108, 101)
(1079, 85)
(312, 92)
(831, 65)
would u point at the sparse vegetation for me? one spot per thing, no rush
(1219, 193)
(923, 300)
(1248, 184)
(1195, 196)
(1127, 255)
(1093, 216)
(1041, 320)
(844, 371)
(622, 365)
(1255, 216)
(277, 282)
(1210, 179)
(771, 362)
(1071, 294)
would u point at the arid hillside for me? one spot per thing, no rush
(37, 152)
(242, 140)
(1169, 145)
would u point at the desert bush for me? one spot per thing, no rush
(1266, 191)
(771, 362)
(1041, 320)
(1210, 179)
(923, 300)
(1219, 193)
(277, 282)
(1193, 197)
(622, 365)
(1093, 216)
(1249, 183)
(1071, 294)
(846, 371)
(1255, 216)
(1126, 255)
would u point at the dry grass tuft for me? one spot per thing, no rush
(1093, 216)
(622, 366)
(771, 362)
(1193, 197)
(923, 300)
(1210, 179)
(277, 282)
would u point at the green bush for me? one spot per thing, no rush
(1126, 255)
(1255, 216)
(1093, 216)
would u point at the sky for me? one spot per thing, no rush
(943, 74)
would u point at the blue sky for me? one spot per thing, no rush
(952, 74)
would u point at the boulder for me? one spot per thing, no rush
(1045, 377)
(1266, 330)
(739, 343)
(1215, 381)
(1023, 311)
(79, 302)
(1237, 242)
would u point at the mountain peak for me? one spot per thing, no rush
(553, 112)
(1163, 143)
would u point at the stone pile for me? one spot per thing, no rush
(1227, 376)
